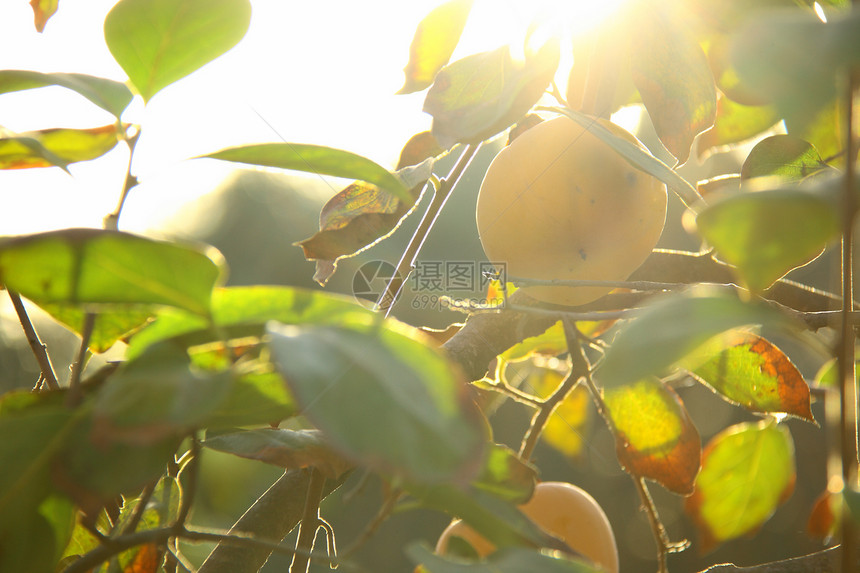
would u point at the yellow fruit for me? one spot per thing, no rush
(560, 509)
(558, 203)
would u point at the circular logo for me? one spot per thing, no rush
(370, 280)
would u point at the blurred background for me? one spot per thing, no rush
(328, 71)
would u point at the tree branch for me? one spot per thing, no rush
(486, 335)
(271, 517)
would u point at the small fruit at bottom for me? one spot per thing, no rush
(561, 509)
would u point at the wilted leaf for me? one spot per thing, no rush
(655, 437)
(672, 327)
(568, 427)
(290, 449)
(747, 472)
(42, 12)
(357, 217)
(823, 522)
(383, 397)
(434, 42)
(734, 123)
(109, 95)
(142, 559)
(793, 59)
(637, 157)
(480, 95)
(65, 145)
(766, 234)
(316, 159)
(158, 42)
(157, 396)
(243, 311)
(749, 370)
(512, 560)
(673, 77)
(90, 266)
(420, 146)
(784, 156)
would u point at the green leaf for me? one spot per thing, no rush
(828, 374)
(109, 95)
(765, 234)
(655, 437)
(57, 147)
(512, 560)
(568, 428)
(734, 123)
(90, 266)
(506, 475)
(434, 42)
(319, 160)
(290, 449)
(793, 59)
(482, 94)
(34, 544)
(496, 519)
(40, 425)
(672, 75)
(112, 324)
(156, 396)
(158, 42)
(636, 156)
(675, 325)
(409, 410)
(749, 370)
(748, 471)
(244, 311)
(785, 156)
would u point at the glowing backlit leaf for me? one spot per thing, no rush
(655, 437)
(90, 266)
(749, 370)
(672, 74)
(110, 95)
(63, 146)
(482, 94)
(734, 123)
(747, 472)
(766, 234)
(784, 156)
(434, 42)
(316, 159)
(158, 42)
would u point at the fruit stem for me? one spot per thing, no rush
(310, 523)
(404, 268)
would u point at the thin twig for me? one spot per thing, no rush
(384, 512)
(187, 493)
(40, 351)
(140, 508)
(74, 395)
(310, 523)
(407, 260)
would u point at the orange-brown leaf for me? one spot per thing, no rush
(420, 146)
(655, 437)
(42, 12)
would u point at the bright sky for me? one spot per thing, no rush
(322, 72)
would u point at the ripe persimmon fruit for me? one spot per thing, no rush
(563, 510)
(559, 203)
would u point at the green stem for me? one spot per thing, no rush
(74, 395)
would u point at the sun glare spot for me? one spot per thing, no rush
(819, 11)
